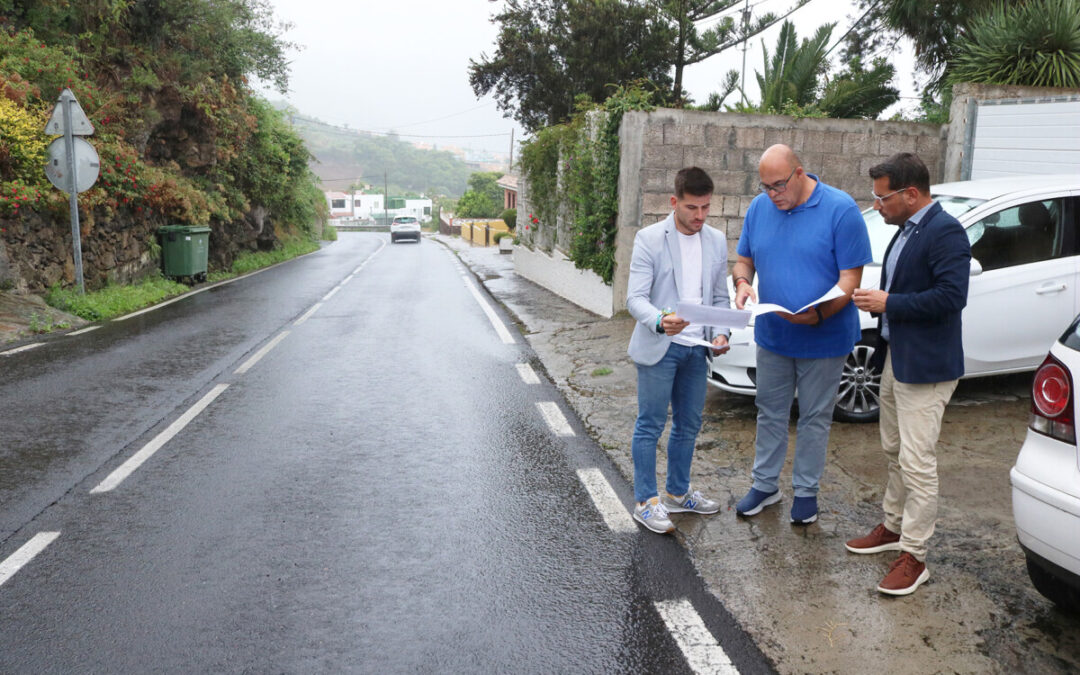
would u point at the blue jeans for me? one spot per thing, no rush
(678, 379)
(817, 382)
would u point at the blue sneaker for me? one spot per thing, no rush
(804, 510)
(755, 501)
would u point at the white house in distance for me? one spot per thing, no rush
(360, 206)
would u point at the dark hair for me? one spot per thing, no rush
(694, 181)
(904, 169)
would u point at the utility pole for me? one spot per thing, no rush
(745, 46)
(510, 166)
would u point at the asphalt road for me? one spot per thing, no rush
(341, 464)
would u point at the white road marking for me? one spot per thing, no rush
(331, 293)
(164, 304)
(148, 450)
(504, 334)
(703, 653)
(25, 554)
(246, 366)
(24, 348)
(308, 314)
(528, 375)
(554, 418)
(618, 519)
(84, 330)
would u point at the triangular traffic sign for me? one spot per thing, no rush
(80, 123)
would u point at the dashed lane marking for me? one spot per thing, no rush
(528, 375)
(554, 418)
(135, 461)
(504, 334)
(618, 519)
(84, 330)
(24, 348)
(702, 651)
(17, 560)
(308, 314)
(246, 366)
(331, 293)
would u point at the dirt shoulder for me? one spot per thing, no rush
(24, 316)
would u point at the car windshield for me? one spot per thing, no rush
(881, 233)
(1071, 337)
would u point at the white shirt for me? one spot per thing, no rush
(690, 289)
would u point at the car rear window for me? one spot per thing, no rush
(1071, 338)
(404, 220)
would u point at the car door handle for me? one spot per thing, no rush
(1050, 288)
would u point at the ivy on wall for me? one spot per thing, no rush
(573, 168)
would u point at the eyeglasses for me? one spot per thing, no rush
(779, 186)
(882, 198)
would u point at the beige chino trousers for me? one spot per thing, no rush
(910, 424)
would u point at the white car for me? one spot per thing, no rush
(1025, 269)
(1046, 477)
(405, 227)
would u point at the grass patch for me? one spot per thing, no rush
(329, 233)
(113, 301)
(249, 262)
(601, 371)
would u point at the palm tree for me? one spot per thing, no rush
(791, 75)
(1036, 43)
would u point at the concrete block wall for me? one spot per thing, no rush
(655, 145)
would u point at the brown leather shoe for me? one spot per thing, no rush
(905, 575)
(880, 539)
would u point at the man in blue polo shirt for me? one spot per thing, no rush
(801, 237)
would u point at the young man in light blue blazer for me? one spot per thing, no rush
(676, 260)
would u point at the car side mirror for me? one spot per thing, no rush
(976, 267)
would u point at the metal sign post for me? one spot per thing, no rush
(62, 169)
(73, 191)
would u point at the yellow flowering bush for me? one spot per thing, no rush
(22, 142)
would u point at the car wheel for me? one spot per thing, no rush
(860, 385)
(1052, 588)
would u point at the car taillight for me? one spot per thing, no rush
(1052, 401)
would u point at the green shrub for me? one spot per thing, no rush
(509, 216)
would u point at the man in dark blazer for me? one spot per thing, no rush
(924, 285)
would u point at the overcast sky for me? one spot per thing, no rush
(402, 65)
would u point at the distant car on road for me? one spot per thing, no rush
(1046, 477)
(404, 227)
(1025, 269)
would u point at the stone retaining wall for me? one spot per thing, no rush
(657, 144)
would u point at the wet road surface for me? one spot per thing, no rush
(344, 468)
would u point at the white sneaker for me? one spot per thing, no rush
(653, 515)
(692, 502)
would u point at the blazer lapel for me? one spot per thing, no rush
(675, 254)
(913, 238)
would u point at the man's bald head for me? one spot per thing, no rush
(779, 156)
(782, 177)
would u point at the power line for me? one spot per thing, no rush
(439, 119)
(357, 132)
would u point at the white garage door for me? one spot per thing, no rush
(1029, 136)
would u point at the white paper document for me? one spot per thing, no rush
(722, 317)
(710, 345)
(766, 307)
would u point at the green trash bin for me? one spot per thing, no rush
(184, 251)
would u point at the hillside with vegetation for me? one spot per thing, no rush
(345, 157)
(181, 135)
